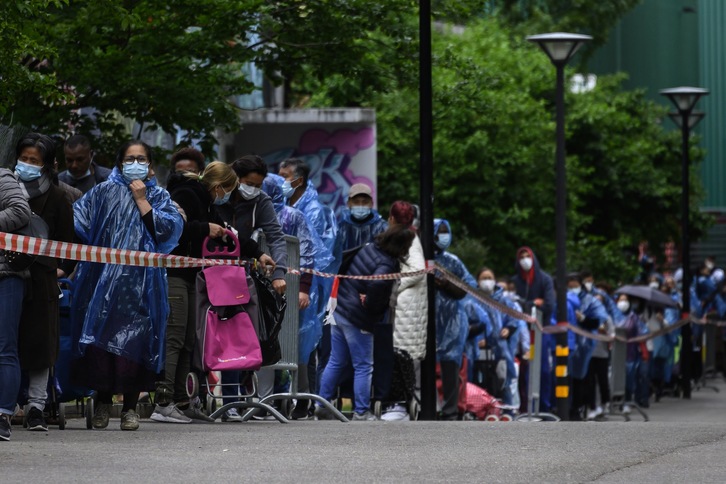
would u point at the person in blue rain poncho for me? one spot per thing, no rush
(505, 330)
(661, 369)
(359, 222)
(451, 324)
(589, 315)
(300, 193)
(313, 255)
(121, 310)
(480, 330)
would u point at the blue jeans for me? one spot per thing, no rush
(349, 344)
(12, 290)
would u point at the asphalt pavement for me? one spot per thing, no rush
(685, 440)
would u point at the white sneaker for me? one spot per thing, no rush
(595, 413)
(626, 409)
(169, 414)
(231, 415)
(395, 413)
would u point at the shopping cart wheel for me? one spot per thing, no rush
(413, 409)
(61, 416)
(377, 409)
(192, 385)
(506, 418)
(491, 418)
(90, 404)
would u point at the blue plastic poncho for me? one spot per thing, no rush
(476, 315)
(581, 346)
(503, 347)
(123, 309)
(451, 325)
(313, 255)
(321, 217)
(352, 233)
(272, 185)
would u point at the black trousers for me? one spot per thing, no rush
(599, 379)
(450, 388)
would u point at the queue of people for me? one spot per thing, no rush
(134, 327)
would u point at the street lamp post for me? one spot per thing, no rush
(685, 99)
(560, 47)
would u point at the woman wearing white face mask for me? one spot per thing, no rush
(198, 195)
(38, 336)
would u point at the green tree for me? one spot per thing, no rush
(176, 65)
(22, 52)
(494, 156)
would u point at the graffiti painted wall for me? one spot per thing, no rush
(338, 144)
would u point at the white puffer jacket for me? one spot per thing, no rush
(409, 332)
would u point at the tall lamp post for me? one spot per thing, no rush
(685, 99)
(560, 47)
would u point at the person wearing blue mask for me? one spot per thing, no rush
(38, 336)
(359, 223)
(120, 312)
(452, 326)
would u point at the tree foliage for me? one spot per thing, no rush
(494, 155)
(176, 65)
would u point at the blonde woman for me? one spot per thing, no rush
(198, 196)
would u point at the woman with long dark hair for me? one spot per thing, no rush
(362, 304)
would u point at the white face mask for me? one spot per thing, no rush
(709, 265)
(248, 192)
(574, 290)
(487, 285)
(623, 306)
(654, 285)
(525, 263)
(588, 286)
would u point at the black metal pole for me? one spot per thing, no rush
(428, 367)
(686, 345)
(562, 389)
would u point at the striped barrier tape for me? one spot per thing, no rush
(104, 255)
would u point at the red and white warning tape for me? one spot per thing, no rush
(104, 255)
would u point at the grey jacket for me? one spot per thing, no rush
(249, 215)
(14, 211)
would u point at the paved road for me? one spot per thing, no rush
(685, 440)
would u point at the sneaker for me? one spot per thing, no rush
(626, 409)
(129, 420)
(594, 413)
(5, 428)
(36, 420)
(169, 414)
(300, 412)
(194, 411)
(101, 415)
(231, 415)
(365, 416)
(322, 413)
(395, 412)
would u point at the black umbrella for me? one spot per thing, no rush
(650, 295)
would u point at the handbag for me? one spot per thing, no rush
(36, 227)
(272, 312)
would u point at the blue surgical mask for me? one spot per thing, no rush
(443, 241)
(360, 212)
(287, 189)
(135, 171)
(224, 199)
(27, 172)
